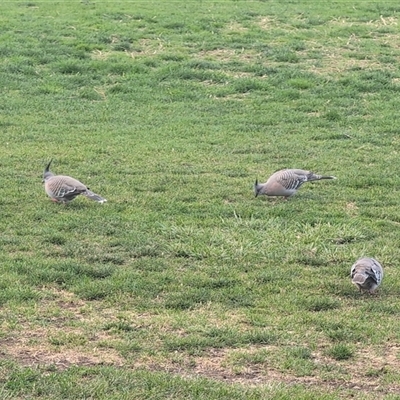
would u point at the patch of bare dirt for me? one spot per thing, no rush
(72, 335)
(63, 340)
(351, 208)
(354, 375)
(235, 26)
(230, 54)
(33, 350)
(382, 21)
(266, 23)
(144, 47)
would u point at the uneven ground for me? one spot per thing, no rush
(183, 285)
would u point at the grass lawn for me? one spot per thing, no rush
(184, 285)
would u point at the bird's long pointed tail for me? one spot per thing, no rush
(319, 177)
(359, 278)
(93, 196)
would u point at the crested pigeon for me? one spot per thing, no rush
(285, 182)
(366, 273)
(63, 189)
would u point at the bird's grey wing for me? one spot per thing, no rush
(66, 190)
(376, 271)
(291, 180)
(68, 186)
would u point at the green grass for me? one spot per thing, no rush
(183, 285)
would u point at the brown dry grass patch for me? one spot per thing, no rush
(84, 342)
(235, 26)
(38, 355)
(267, 23)
(365, 373)
(32, 348)
(224, 55)
(351, 209)
(63, 316)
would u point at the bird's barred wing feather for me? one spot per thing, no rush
(65, 190)
(376, 271)
(292, 180)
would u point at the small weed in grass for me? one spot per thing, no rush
(298, 360)
(374, 373)
(188, 300)
(119, 326)
(299, 352)
(56, 240)
(340, 352)
(90, 290)
(258, 357)
(300, 83)
(67, 339)
(218, 338)
(22, 379)
(321, 304)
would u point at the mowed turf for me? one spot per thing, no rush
(184, 285)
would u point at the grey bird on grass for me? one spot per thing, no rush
(285, 182)
(63, 189)
(366, 273)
